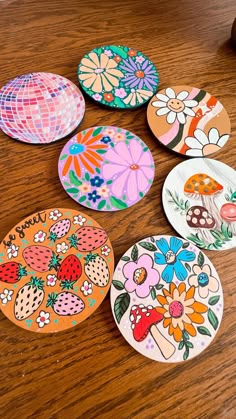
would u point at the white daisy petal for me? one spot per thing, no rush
(171, 117)
(162, 97)
(181, 118)
(182, 95)
(213, 136)
(193, 143)
(201, 136)
(170, 93)
(162, 111)
(159, 104)
(194, 152)
(190, 103)
(223, 140)
(189, 112)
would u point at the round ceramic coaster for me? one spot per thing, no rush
(118, 76)
(56, 268)
(166, 299)
(40, 107)
(199, 199)
(189, 121)
(106, 168)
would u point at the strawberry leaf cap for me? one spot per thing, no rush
(90, 257)
(21, 271)
(36, 282)
(67, 285)
(54, 262)
(73, 241)
(52, 298)
(52, 237)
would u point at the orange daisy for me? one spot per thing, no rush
(86, 152)
(180, 310)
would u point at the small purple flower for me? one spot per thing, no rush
(108, 52)
(97, 97)
(139, 59)
(139, 75)
(106, 140)
(96, 181)
(120, 92)
(93, 196)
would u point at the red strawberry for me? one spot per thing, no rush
(11, 272)
(86, 239)
(41, 258)
(69, 272)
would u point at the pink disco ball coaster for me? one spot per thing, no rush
(40, 108)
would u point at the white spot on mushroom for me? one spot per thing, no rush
(194, 220)
(144, 310)
(209, 220)
(134, 308)
(207, 180)
(132, 318)
(204, 214)
(141, 305)
(138, 318)
(150, 307)
(197, 211)
(190, 212)
(188, 218)
(202, 221)
(148, 314)
(137, 311)
(132, 326)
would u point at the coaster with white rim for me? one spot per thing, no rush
(118, 76)
(199, 200)
(56, 268)
(40, 108)
(167, 299)
(189, 121)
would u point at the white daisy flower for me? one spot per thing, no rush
(79, 219)
(55, 214)
(203, 145)
(51, 280)
(39, 237)
(6, 296)
(105, 250)
(12, 251)
(174, 106)
(87, 288)
(43, 318)
(62, 247)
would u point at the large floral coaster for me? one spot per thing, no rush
(199, 199)
(106, 168)
(166, 298)
(40, 108)
(56, 268)
(189, 121)
(118, 76)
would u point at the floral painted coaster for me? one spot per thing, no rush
(166, 298)
(56, 268)
(189, 121)
(199, 199)
(118, 76)
(106, 168)
(40, 108)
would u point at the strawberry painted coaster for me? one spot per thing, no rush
(40, 108)
(118, 76)
(199, 200)
(56, 268)
(106, 168)
(167, 299)
(189, 121)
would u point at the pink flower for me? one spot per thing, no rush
(97, 97)
(108, 52)
(103, 191)
(85, 187)
(120, 92)
(130, 168)
(139, 59)
(141, 276)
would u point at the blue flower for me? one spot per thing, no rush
(172, 259)
(106, 140)
(96, 181)
(93, 196)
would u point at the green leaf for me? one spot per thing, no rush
(63, 157)
(73, 178)
(181, 345)
(148, 246)
(118, 285)
(188, 267)
(88, 204)
(125, 258)
(101, 204)
(185, 245)
(72, 190)
(214, 300)
(121, 305)
(189, 344)
(97, 131)
(159, 286)
(87, 176)
(129, 137)
(82, 199)
(152, 239)
(119, 51)
(102, 151)
(66, 184)
(186, 354)
(145, 149)
(212, 318)
(109, 182)
(117, 203)
(203, 330)
(118, 102)
(98, 170)
(134, 253)
(185, 335)
(201, 259)
(153, 293)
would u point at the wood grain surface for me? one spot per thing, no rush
(90, 371)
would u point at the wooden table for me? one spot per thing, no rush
(90, 371)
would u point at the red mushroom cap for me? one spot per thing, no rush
(142, 318)
(228, 212)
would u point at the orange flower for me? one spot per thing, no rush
(132, 53)
(108, 97)
(117, 58)
(85, 151)
(180, 310)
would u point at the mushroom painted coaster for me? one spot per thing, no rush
(167, 299)
(118, 76)
(199, 199)
(189, 121)
(56, 268)
(40, 108)
(106, 168)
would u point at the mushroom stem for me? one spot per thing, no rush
(166, 347)
(209, 203)
(206, 235)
